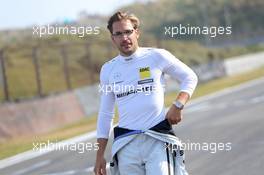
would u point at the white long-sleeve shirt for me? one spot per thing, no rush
(136, 84)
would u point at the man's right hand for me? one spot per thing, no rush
(100, 166)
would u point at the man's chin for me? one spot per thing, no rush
(127, 52)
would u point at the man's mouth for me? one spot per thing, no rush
(126, 45)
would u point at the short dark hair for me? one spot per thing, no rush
(118, 16)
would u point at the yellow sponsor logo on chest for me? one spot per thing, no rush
(144, 72)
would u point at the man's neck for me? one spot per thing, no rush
(127, 55)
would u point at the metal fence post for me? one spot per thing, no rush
(5, 83)
(66, 67)
(37, 70)
(88, 62)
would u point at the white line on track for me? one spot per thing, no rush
(32, 167)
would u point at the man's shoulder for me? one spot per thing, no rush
(153, 50)
(149, 49)
(157, 53)
(108, 66)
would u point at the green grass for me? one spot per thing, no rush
(21, 73)
(18, 145)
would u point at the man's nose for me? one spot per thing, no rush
(124, 38)
(124, 35)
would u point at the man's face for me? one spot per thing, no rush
(125, 37)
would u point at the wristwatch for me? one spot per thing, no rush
(178, 104)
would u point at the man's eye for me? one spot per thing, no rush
(118, 33)
(128, 31)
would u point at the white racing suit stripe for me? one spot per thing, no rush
(168, 154)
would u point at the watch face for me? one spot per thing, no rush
(178, 104)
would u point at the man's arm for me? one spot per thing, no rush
(187, 86)
(187, 78)
(105, 120)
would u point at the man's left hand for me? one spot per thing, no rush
(174, 115)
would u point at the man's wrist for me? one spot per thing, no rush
(102, 142)
(100, 154)
(179, 105)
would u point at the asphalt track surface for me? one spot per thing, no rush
(232, 121)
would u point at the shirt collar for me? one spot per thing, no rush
(131, 58)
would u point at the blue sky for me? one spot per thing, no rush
(22, 13)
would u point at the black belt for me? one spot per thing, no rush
(162, 127)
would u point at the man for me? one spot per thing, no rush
(134, 80)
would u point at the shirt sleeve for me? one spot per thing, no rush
(107, 104)
(179, 71)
